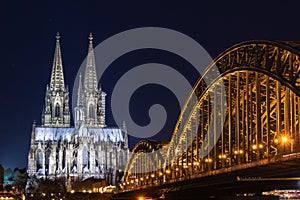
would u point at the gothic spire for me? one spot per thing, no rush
(90, 77)
(57, 76)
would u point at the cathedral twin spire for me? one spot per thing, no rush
(90, 100)
(56, 112)
(57, 77)
(90, 107)
(90, 77)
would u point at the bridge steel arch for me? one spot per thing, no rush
(261, 123)
(146, 157)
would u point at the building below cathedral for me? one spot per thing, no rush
(87, 149)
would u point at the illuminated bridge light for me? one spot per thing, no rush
(284, 139)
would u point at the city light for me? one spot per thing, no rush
(254, 147)
(284, 139)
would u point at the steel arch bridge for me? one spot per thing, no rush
(257, 124)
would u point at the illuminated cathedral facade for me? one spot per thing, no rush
(87, 149)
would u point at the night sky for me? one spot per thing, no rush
(28, 32)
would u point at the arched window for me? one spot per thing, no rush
(85, 157)
(39, 160)
(57, 110)
(91, 111)
(48, 153)
(64, 158)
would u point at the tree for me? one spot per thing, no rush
(20, 178)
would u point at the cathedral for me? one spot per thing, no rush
(87, 149)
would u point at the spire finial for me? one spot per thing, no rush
(57, 36)
(91, 37)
